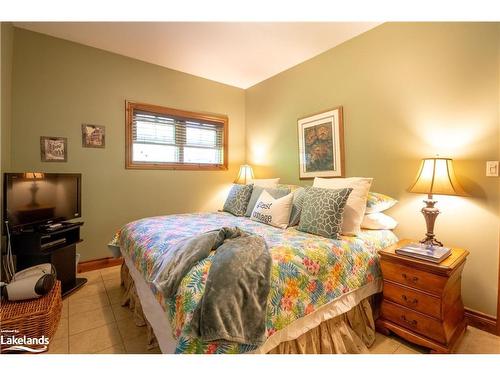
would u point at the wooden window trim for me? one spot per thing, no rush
(129, 115)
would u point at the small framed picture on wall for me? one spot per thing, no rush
(93, 136)
(321, 144)
(54, 149)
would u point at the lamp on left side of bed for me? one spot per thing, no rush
(245, 175)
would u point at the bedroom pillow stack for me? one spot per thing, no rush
(322, 211)
(355, 206)
(239, 197)
(374, 217)
(271, 211)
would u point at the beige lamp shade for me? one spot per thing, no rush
(245, 175)
(437, 176)
(33, 175)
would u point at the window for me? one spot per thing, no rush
(165, 138)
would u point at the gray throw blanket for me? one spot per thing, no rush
(233, 306)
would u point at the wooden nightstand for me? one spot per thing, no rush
(422, 301)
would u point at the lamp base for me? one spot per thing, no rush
(430, 213)
(431, 242)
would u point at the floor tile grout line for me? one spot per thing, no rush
(107, 347)
(121, 338)
(90, 329)
(397, 347)
(87, 297)
(88, 311)
(103, 325)
(79, 312)
(69, 349)
(106, 289)
(111, 278)
(82, 297)
(118, 329)
(67, 330)
(113, 311)
(69, 352)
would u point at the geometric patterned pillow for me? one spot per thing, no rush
(298, 202)
(377, 202)
(322, 211)
(237, 199)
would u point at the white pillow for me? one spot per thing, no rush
(378, 220)
(265, 182)
(356, 203)
(275, 212)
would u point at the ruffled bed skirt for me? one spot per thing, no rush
(349, 333)
(131, 299)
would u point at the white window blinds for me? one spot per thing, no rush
(159, 138)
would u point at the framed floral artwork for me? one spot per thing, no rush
(93, 136)
(321, 144)
(54, 149)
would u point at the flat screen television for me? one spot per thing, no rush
(33, 198)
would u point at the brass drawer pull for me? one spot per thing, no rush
(409, 301)
(412, 323)
(412, 280)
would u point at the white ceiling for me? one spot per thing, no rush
(237, 54)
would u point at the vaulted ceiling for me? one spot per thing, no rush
(237, 54)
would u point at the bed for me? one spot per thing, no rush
(313, 279)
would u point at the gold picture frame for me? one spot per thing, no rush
(321, 144)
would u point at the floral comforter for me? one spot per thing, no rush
(308, 271)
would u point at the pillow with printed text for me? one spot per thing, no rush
(271, 211)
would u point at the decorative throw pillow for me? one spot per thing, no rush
(275, 212)
(237, 199)
(378, 202)
(298, 201)
(265, 182)
(356, 204)
(378, 220)
(322, 211)
(257, 191)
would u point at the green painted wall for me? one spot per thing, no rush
(58, 85)
(6, 92)
(6, 51)
(409, 90)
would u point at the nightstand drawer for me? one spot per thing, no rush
(415, 278)
(413, 321)
(413, 299)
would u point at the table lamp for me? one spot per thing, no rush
(435, 176)
(34, 187)
(245, 175)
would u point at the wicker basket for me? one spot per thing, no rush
(31, 318)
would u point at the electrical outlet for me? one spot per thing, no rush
(492, 168)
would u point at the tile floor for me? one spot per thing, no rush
(474, 341)
(94, 322)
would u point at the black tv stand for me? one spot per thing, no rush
(58, 246)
